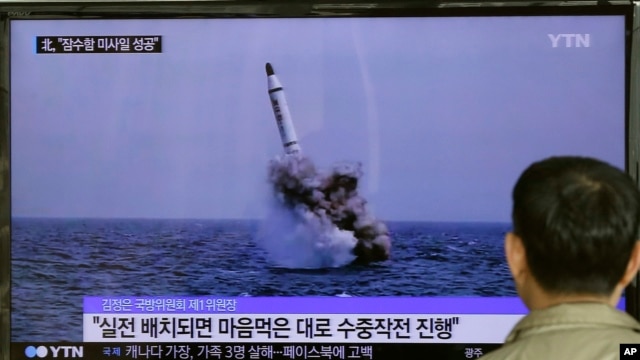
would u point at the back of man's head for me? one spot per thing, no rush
(578, 220)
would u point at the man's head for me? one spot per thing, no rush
(575, 230)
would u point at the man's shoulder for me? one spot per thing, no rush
(601, 344)
(578, 331)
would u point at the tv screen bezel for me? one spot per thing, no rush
(113, 9)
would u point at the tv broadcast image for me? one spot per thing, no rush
(287, 187)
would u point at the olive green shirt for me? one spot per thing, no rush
(569, 331)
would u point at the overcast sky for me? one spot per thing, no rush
(443, 113)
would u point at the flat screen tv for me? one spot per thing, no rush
(286, 180)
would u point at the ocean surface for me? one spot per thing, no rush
(56, 262)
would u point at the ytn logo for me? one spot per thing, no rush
(570, 40)
(54, 351)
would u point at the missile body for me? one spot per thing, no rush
(281, 112)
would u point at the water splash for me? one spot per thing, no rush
(318, 219)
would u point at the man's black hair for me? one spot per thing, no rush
(578, 220)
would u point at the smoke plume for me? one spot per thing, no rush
(319, 219)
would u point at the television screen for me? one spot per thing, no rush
(295, 186)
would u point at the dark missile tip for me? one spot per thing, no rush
(269, 69)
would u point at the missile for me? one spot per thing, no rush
(281, 112)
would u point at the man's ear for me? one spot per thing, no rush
(632, 266)
(516, 255)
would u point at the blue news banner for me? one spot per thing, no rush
(208, 327)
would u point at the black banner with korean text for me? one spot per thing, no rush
(273, 351)
(133, 44)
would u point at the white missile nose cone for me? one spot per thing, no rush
(281, 112)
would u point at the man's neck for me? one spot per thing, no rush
(547, 300)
